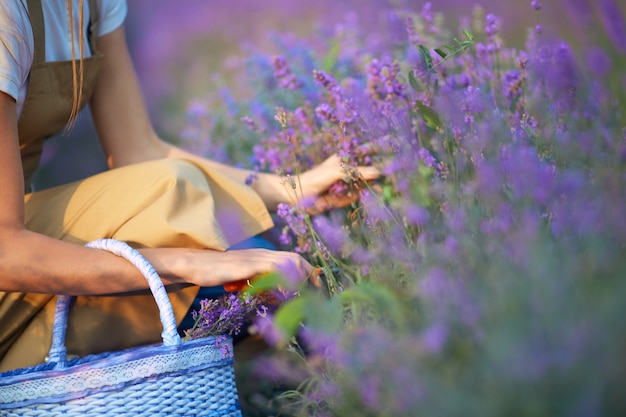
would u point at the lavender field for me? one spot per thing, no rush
(483, 274)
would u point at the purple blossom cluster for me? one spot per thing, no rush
(282, 72)
(296, 232)
(223, 316)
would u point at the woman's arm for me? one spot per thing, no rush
(31, 262)
(127, 134)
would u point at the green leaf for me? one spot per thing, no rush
(468, 35)
(422, 189)
(288, 317)
(387, 193)
(266, 282)
(317, 312)
(324, 315)
(426, 171)
(331, 58)
(508, 193)
(431, 118)
(441, 53)
(428, 60)
(413, 81)
(377, 297)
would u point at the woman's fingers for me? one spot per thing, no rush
(334, 164)
(368, 173)
(246, 264)
(328, 202)
(371, 149)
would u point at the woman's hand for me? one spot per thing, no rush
(317, 184)
(212, 268)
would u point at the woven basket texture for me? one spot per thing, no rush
(195, 378)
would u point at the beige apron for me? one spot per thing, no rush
(163, 203)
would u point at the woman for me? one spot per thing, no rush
(181, 211)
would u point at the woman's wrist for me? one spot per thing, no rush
(170, 263)
(273, 190)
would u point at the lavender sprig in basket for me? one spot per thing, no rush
(194, 378)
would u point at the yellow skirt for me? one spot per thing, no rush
(163, 203)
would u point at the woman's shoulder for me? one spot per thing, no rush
(13, 15)
(16, 46)
(113, 13)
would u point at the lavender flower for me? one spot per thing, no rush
(581, 12)
(416, 215)
(614, 23)
(512, 85)
(251, 178)
(250, 124)
(335, 237)
(428, 17)
(491, 25)
(325, 113)
(411, 32)
(264, 326)
(282, 72)
(598, 62)
(297, 225)
(326, 81)
(222, 316)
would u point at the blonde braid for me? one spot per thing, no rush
(77, 70)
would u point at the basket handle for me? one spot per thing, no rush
(58, 351)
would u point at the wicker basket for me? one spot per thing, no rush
(195, 378)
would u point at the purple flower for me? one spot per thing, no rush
(264, 325)
(598, 62)
(614, 23)
(281, 68)
(251, 178)
(411, 32)
(326, 81)
(536, 5)
(333, 235)
(434, 337)
(222, 316)
(325, 113)
(282, 72)
(250, 123)
(390, 85)
(556, 73)
(512, 84)
(581, 11)
(374, 209)
(297, 225)
(491, 25)
(370, 388)
(346, 111)
(428, 17)
(522, 60)
(427, 157)
(416, 215)
(490, 181)
(304, 123)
